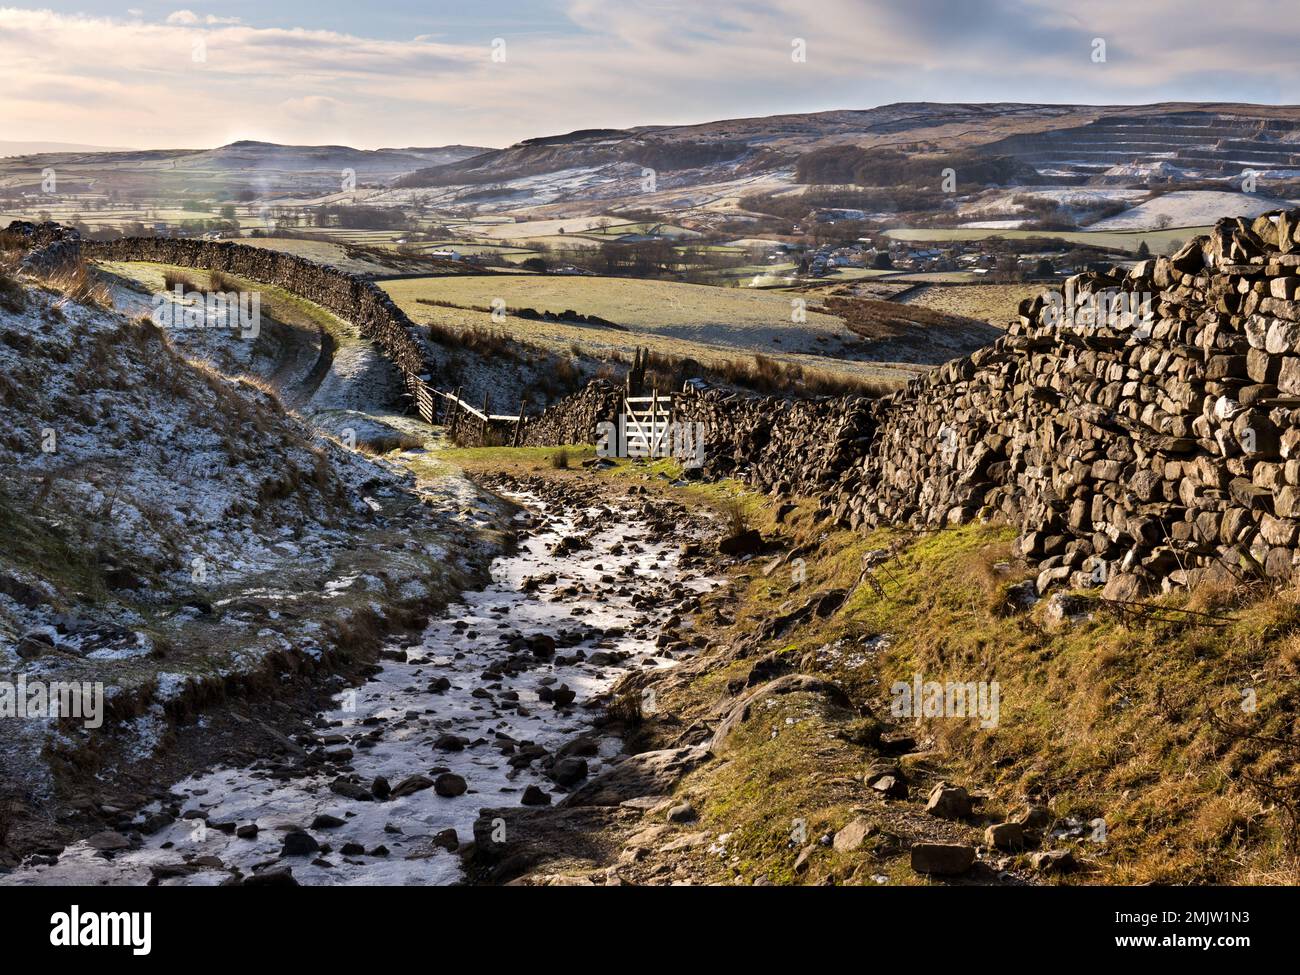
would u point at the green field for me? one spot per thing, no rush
(710, 324)
(695, 313)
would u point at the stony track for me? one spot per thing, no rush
(495, 704)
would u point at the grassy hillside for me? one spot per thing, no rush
(1137, 721)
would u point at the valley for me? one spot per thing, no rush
(372, 600)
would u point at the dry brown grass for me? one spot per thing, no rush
(79, 283)
(1106, 717)
(735, 516)
(875, 319)
(759, 373)
(178, 279)
(218, 282)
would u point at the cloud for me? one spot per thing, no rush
(187, 18)
(618, 65)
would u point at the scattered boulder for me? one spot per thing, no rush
(747, 542)
(1008, 837)
(852, 836)
(890, 786)
(449, 785)
(942, 859)
(533, 796)
(299, 844)
(410, 785)
(108, 841)
(682, 813)
(948, 802)
(276, 876)
(1053, 861)
(568, 771)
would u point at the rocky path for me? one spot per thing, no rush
(494, 705)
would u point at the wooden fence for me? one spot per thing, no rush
(435, 406)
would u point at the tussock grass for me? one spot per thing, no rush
(179, 279)
(1105, 717)
(79, 283)
(735, 517)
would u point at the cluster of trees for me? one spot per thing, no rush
(361, 217)
(867, 199)
(1047, 214)
(646, 259)
(665, 156)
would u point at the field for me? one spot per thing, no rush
(320, 251)
(714, 326)
(744, 319)
(1191, 207)
(992, 303)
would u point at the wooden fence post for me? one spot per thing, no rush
(519, 424)
(487, 424)
(654, 424)
(455, 427)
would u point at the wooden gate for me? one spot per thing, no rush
(647, 425)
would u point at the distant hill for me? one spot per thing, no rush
(1114, 145)
(30, 148)
(264, 167)
(742, 175)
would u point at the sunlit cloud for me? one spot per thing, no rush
(194, 76)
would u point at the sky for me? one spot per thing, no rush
(429, 73)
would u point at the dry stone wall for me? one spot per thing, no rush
(573, 420)
(787, 446)
(352, 298)
(50, 247)
(1140, 427)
